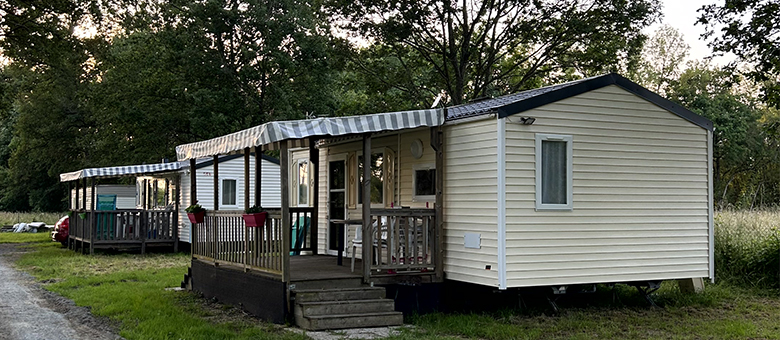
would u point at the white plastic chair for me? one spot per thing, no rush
(358, 240)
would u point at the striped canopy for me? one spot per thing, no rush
(298, 129)
(119, 171)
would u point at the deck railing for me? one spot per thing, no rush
(124, 226)
(223, 237)
(403, 239)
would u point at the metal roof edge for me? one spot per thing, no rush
(597, 83)
(210, 162)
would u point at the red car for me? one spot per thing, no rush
(60, 233)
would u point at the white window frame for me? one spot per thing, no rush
(540, 137)
(297, 162)
(222, 192)
(421, 198)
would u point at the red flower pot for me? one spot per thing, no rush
(255, 220)
(196, 217)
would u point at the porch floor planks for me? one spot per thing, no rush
(321, 267)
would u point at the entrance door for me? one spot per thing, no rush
(337, 207)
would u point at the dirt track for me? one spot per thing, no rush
(28, 312)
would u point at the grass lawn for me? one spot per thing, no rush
(25, 237)
(130, 290)
(722, 312)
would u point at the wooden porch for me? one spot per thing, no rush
(403, 248)
(123, 229)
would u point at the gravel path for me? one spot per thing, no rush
(28, 312)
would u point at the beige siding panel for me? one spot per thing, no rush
(640, 195)
(231, 169)
(470, 194)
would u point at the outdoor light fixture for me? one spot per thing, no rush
(527, 120)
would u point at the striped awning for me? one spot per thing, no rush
(272, 132)
(119, 171)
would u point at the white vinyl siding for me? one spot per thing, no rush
(640, 195)
(125, 195)
(231, 169)
(470, 201)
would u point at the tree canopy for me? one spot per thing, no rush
(750, 29)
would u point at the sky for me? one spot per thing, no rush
(682, 15)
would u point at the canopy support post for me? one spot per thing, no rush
(258, 175)
(368, 235)
(314, 163)
(216, 184)
(285, 226)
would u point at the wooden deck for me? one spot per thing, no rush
(322, 267)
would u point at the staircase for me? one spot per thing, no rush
(350, 307)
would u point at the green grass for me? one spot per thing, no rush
(721, 312)
(130, 289)
(25, 237)
(11, 218)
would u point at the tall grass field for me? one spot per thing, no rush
(747, 248)
(11, 218)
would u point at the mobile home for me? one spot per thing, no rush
(593, 181)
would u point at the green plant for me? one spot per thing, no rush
(255, 209)
(194, 209)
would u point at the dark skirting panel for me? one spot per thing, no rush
(258, 295)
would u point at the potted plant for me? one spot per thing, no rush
(255, 216)
(195, 213)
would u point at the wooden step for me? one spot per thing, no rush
(342, 321)
(309, 309)
(328, 283)
(342, 294)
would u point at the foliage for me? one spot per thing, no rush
(741, 149)
(255, 209)
(156, 75)
(482, 48)
(747, 248)
(750, 30)
(194, 209)
(662, 61)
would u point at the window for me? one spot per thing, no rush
(424, 183)
(303, 182)
(553, 172)
(228, 192)
(377, 179)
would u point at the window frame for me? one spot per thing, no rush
(297, 187)
(222, 203)
(422, 198)
(540, 138)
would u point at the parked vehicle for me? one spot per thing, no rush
(60, 233)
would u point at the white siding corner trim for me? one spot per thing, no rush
(540, 205)
(501, 183)
(710, 207)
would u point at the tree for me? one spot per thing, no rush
(481, 48)
(740, 152)
(750, 29)
(663, 58)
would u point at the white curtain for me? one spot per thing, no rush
(554, 172)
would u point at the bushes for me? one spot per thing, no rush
(747, 248)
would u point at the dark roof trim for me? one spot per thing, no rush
(210, 162)
(597, 83)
